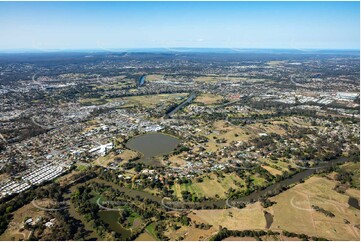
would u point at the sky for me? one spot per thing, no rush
(123, 25)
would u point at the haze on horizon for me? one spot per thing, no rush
(116, 25)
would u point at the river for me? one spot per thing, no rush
(111, 217)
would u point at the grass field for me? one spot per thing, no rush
(222, 130)
(208, 98)
(259, 181)
(177, 160)
(232, 238)
(251, 217)
(214, 78)
(151, 230)
(272, 170)
(80, 167)
(234, 133)
(92, 101)
(151, 78)
(276, 166)
(154, 100)
(92, 124)
(195, 234)
(293, 212)
(230, 132)
(210, 187)
(135, 220)
(125, 155)
(296, 203)
(275, 63)
(145, 236)
(209, 78)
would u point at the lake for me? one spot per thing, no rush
(152, 145)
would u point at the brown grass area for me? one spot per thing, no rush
(293, 212)
(177, 161)
(221, 129)
(352, 192)
(251, 217)
(244, 133)
(263, 238)
(295, 205)
(211, 188)
(272, 128)
(154, 77)
(208, 98)
(153, 100)
(194, 234)
(176, 234)
(275, 63)
(207, 78)
(231, 133)
(232, 238)
(271, 170)
(145, 236)
(4, 176)
(280, 165)
(125, 155)
(67, 178)
(92, 124)
(214, 78)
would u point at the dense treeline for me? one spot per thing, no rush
(225, 233)
(321, 210)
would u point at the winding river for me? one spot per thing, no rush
(221, 203)
(111, 217)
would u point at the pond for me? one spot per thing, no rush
(152, 145)
(353, 202)
(269, 219)
(111, 218)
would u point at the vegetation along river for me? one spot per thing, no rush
(229, 202)
(111, 217)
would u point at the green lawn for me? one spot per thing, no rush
(151, 230)
(210, 187)
(259, 181)
(80, 167)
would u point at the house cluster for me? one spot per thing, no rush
(9, 187)
(33, 222)
(32, 177)
(46, 173)
(315, 98)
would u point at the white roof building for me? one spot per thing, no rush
(102, 149)
(347, 95)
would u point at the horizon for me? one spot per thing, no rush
(174, 49)
(110, 26)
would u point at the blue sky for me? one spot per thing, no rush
(114, 25)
